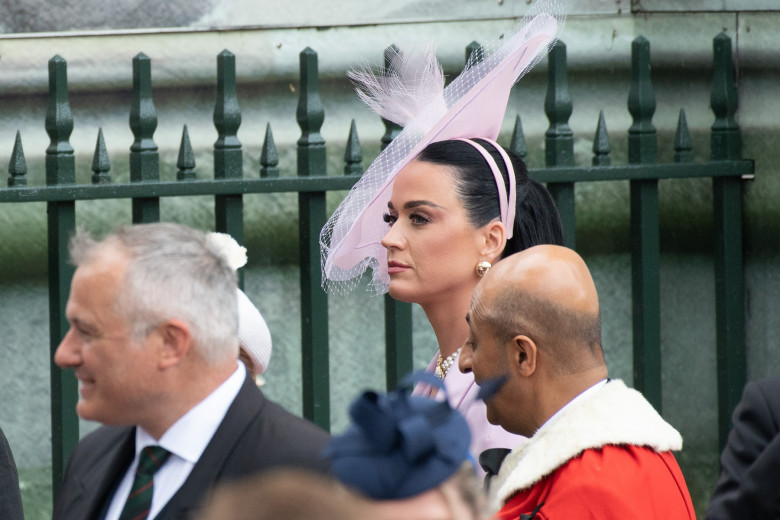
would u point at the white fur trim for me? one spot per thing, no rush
(611, 415)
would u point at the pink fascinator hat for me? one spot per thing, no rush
(253, 333)
(412, 94)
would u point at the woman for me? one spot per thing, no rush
(446, 226)
(453, 201)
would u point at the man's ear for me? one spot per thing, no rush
(175, 342)
(495, 241)
(523, 355)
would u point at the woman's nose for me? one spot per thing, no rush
(393, 238)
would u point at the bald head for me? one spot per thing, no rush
(534, 322)
(546, 272)
(547, 293)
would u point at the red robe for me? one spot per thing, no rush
(613, 482)
(607, 454)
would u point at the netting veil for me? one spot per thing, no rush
(411, 93)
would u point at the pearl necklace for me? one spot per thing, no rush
(443, 365)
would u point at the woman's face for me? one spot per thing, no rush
(432, 248)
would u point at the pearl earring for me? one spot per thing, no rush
(483, 267)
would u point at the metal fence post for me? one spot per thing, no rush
(559, 138)
(144, 158)
(311, 209)
(61, 216)
(645, 248)
(228, 157)
(729, 270)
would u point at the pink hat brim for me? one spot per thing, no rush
(477, 113)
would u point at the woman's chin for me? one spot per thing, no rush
(403, 294)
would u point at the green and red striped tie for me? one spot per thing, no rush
(140, 499)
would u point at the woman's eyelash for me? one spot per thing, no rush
(416, 218)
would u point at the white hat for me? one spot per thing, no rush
(253, 334)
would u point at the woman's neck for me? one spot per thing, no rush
(448, 319)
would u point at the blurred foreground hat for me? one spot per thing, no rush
(399, 445)
(253, 333)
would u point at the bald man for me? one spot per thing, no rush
(596, 448)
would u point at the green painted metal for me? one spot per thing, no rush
(59, 125)
(683, 144)
(601, 148)
(398, 341)
(100, 162)
(473, 48)
(144, 157)
(559, 138)
(391, 129)
(228, 162)
(310, 115)
(61, 221)
(186, 160)
(517, 142)
(645, 244)
(314, 312)
(353, 155)
(641, 172)
(714, 169)
(311, 210)
(642, 139)
(729, 270)
(726, 142)
(175, 189)
(17, 166)
(228, 156)
(269, 158)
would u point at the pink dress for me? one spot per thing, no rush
(462, 396)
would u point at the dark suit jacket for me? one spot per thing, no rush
(255, 435)
(748, 484)
(10, 497)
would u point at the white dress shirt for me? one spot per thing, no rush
(186, 439)
(579, 396)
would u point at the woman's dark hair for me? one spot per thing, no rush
(536, 218)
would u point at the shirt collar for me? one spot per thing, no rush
(579, 396)
(190, 434)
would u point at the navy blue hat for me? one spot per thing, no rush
(399, 445)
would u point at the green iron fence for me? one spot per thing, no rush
(725, 168)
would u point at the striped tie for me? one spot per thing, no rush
(140, 499)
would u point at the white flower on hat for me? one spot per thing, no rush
(228, 249)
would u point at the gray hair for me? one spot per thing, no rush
(174, 272)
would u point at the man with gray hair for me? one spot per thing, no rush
(153, 342)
